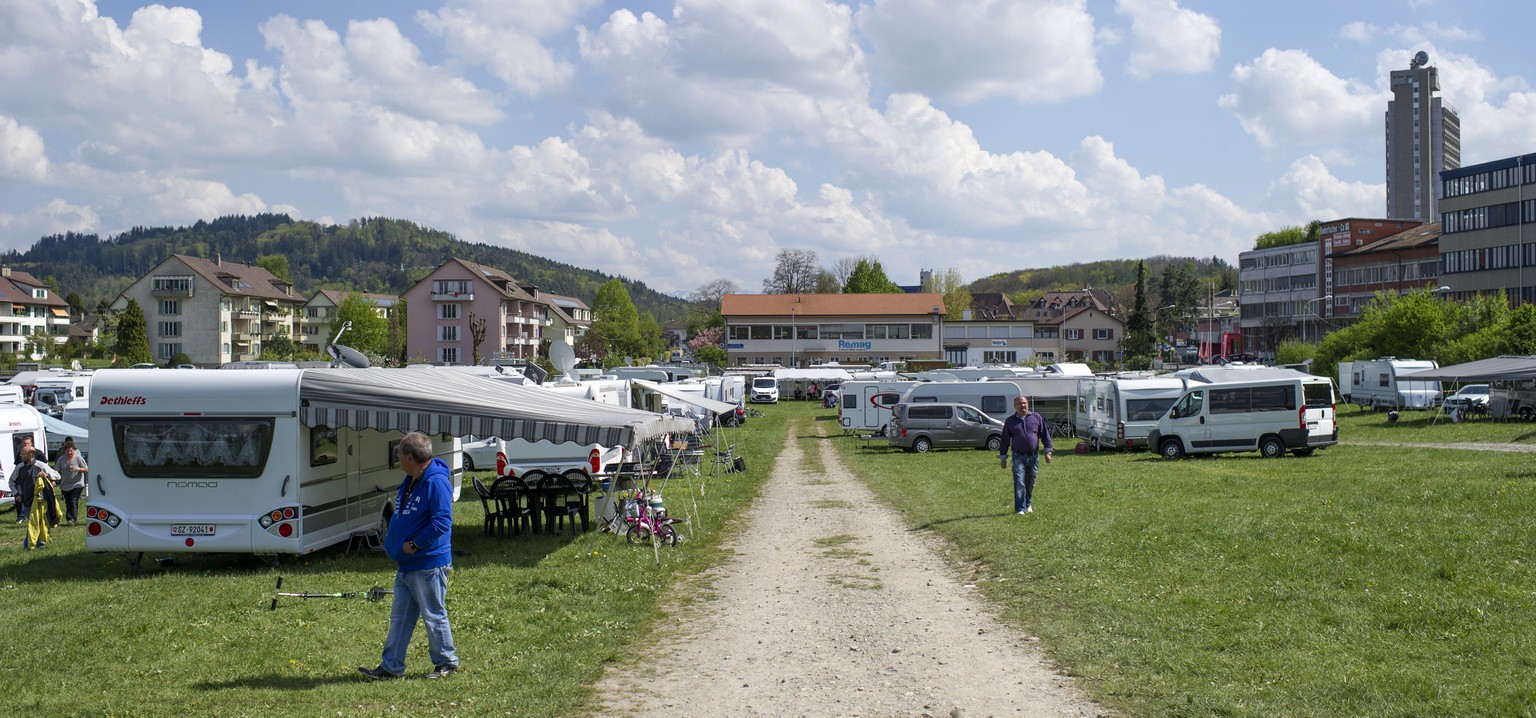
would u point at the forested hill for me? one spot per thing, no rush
(1115, 275)
(384, 256)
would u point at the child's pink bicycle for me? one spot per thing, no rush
(645, 516)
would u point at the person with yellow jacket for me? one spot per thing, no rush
(45, 504)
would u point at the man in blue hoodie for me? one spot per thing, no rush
(419, 540)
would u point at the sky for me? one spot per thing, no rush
(682, 142)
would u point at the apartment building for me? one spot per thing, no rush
(211, 310)
(803, 330)
(318, 325)
(1399, 263)
(1423, 139)
(1483, 245)
(570, 318)
(441, 307)
(33, 320)
(1075, 326)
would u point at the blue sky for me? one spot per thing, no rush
(682, 142)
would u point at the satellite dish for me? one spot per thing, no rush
(347, 356)
(1421, 59)
(562, 356)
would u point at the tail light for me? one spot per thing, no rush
(281, 521)
(1119, 431)
(100, 520)
(1301, 417)
(595, 461)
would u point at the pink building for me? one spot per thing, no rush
(440, 307)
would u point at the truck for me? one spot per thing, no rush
(1379, 385)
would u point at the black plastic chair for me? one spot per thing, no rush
(494, 517)
(517, 505)
(565, 498)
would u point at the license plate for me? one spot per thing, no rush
(192, 529)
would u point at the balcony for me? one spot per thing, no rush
(453, 296)
(171, 292)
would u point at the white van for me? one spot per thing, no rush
(1119, 412)
(867, 405)
(1273, 416)
(993, 398)
(17, 422)
(765, 390)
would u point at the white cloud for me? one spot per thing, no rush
(1308, 190)
(968, 52)
(1168, 38)
(1286, 97)
(506, 38)
(1428, 33)
(1498, 114)
(22, 155)
(55, 217)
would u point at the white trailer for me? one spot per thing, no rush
(290, 461)
(1119, 412)
(993, 398)
(865, 406)
(17, 422)
(1378, 384)
(1346, 380)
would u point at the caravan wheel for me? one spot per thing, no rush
(383, 529)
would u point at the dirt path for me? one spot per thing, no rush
(832, 608)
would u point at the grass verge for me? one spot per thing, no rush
(535, 619)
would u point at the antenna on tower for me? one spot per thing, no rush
(1420, 59)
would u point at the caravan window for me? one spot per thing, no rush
(994, 404)
(193, 447)
(1146, 409)
(322, 446)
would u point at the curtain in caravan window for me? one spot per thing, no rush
(194, 447)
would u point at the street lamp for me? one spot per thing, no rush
(1313, 312)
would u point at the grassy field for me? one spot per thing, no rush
(1365, 580)
(535, 619)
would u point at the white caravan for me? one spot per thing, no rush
(1346, 382)
(867, 405)
(1271, 415)
(1376, 383)
(1119, 412)
(17, 422)
(993, 398)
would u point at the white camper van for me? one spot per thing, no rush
(1378, 384)
(17, 422)
(222, 462)
(866, 405)
(1119, 412)
(993, 398)
(1271, 415)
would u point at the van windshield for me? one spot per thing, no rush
(1318, 395)
(764, 383)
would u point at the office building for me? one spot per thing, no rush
(1423, 140)
(1483, 244)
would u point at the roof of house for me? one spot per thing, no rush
(828, 305)
(564, 301)
(240, 279)
(336, 295)
(1420, 236)
(87, 328)
(1055, 307)
(498, 279)
(991, 306)
(16, 287)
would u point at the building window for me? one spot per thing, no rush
(451, 286)
(1074, 334)
(1102, 334)
(170, 284)
(170, 329)
(447, 311)
(39, 293)
(448, 355)
(739, 332)
(224, 348)
(168, 350)
(170, 307)
(448, 333)
(312, 312)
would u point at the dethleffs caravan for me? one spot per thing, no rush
(289, 461)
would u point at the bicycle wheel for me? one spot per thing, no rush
(639, 532)
(667, 535)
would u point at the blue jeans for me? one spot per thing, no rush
(1025, 467)
(419, 594)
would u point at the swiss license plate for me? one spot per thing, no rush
(192, 529)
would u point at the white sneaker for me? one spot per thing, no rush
(1021, 513)
(1029, 509)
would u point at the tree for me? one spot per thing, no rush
(369, 333)
(712, 293)
(868, 277)
(1179, 298)
(1140, 342)
(710, 355)
(826, 283)
(394, 343)
(842, 269)
(957, 296)
(615, 322)
(477, 330)
(1282, 237)
(653, 342)
(132, 345)
(280, 347)
(796, 272)
(277, 264)
(76, 304)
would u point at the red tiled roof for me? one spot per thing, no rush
(827, 305)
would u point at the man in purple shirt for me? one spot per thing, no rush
(1025, 432)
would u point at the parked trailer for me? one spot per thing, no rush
(1346, 380)
(993, 398)
(1119, 412)
(1377, 383)
(17, 422)
(865, 406)
(1509, 398)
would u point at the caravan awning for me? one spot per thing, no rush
(1503, 368)
(710, 405)
(458, 404)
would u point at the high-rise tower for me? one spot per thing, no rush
(1423, 139)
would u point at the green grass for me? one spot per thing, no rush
(1361, 581)
(535, 619)
(1358, 424)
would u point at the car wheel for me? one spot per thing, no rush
(469, 463)
(994, 442)
(1171, 448)
(922, 445)
(1271, 447)
(1526, 413)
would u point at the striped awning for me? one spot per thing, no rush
(438, 401)
(60, 312)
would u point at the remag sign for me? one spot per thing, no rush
(845, 345)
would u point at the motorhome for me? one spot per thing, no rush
(17, 422)
(1379, 384)
(1119, 412)
(1509, 398)
(1272, 416)
(994, 398)
(12, 394)
(865, 406)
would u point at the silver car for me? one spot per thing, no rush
(923, 426)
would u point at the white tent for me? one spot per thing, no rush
(1504, 368)
(715, 408)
